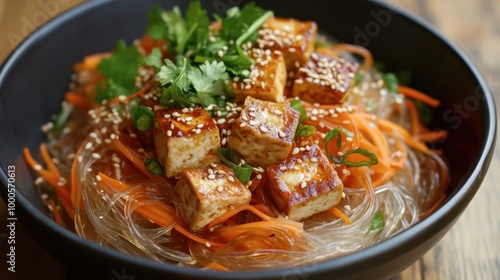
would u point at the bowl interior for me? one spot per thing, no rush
(35, 78)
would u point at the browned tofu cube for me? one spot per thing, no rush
(263, 133)
(324, 80)
(267, 77)
(206, 194)
(304, 184)
(292, 37)
(184, 138)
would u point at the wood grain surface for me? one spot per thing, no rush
(471, 250)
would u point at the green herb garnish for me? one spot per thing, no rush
(297, 105)
(153, 166)
(304, 131)
(242, 171)
(336, 133)
(120, 71)
(377, 223)
(143, 117)
(391, 81)
(187, 85)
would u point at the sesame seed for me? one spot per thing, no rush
(220, 189)
(259, 176)
(283, 168)
(221, 121)
(211, 176)
(263, 128)
(199, 125)
(282, 134)
(314, 159)
(198, 131)
(243, 124)
(278, 112)
(343, 195)
(224, 141)
(208, 244)
(37, 167)
(98, 178)
(230, 179)
(347, 207)
(303, 184)
(88, 146)
(252, 122)
(251, 109)
(169, 133)
(295, 151)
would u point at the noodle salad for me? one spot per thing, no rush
(247, 142)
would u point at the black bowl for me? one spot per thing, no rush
(35, 77)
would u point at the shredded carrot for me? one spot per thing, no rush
(90, 62)
(217, 266)
(156, 214)
(339, 214)
(51, 176)
(221, 219)
(418, 95)
(78, 100)
(55, 213)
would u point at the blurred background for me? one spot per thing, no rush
(469, 251)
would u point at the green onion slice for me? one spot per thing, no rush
(377, 223)
(231, 159)
(143, 117)
(336, 133)
(153, 166)
(297, 105)
(304, 131)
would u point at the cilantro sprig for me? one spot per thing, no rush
(120, 71)
(185, 84)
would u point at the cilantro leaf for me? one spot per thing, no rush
(188, 85)
(197, 20)
(377, 223)
(208, 81)
(154, 59)
(156, 27)
(120, 71)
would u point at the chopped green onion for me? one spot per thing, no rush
(242, 171)
(143, 117)
(377, 223)
(368, 154)
(336, 133)
(297, 105)
(358, 78)
(153, 166)
(304, 131)
(391, 81)
(63, 116)
(424, 112)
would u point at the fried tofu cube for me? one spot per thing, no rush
(206, 194)
(267, 77)
(185, 138)
(304, 184)
(324, 80)
(263, 133)
(294, 38)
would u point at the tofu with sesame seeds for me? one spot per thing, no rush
(324, 80)
(263, 133)
(304, 184)
(181, 141)
(267, 77)
(206, 194)
(294, 38)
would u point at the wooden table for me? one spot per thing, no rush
(471, 249)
